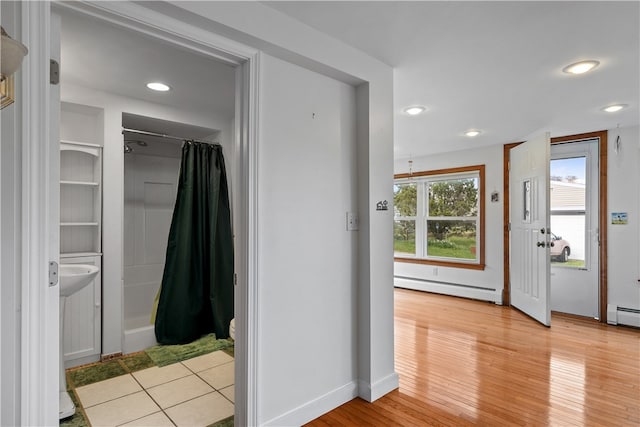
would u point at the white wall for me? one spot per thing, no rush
(484, 284)
(280, 36)
(113, 188)
(308, 265)
(624, 240)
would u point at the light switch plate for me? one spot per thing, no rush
(353, 223)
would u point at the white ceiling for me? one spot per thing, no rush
(112, 59)
(493, 66)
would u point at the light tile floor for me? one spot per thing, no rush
(195, 392)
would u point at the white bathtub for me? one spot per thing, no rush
(150, 184)
(139, 339)
(138, 330)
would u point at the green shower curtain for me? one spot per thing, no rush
(196, 296)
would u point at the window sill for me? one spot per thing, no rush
(451, 264)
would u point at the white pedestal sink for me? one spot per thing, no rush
(73, 277)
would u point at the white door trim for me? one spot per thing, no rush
(39, 308)
(165, 28)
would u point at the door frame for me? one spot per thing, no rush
(602, 220)
(39, 334)
(39, 304)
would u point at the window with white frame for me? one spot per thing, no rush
(439, 217)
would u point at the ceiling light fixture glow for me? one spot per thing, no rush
(157, 86)
(472, 133)
(614, 108)
(581, 67)
(414, 110)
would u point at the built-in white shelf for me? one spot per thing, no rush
(81, 138)
(80, 254)
(80, 197)
(87, 183)
(84, 144)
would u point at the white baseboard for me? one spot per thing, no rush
(372, 392)
(317, 407)
(453, 289)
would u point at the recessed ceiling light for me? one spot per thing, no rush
(414, 110)
(614, 108)
(581, 67)
(160, 87)
(472, 133)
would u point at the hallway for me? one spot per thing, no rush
(465, 362)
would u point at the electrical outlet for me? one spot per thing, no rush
(353, 223)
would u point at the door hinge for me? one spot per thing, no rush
(509, 226)
(235, 279)
(54, 72)
(53, 273)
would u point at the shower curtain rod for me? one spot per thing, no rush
(164, 135)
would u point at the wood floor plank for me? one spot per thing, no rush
(463, 362)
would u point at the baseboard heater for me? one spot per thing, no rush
(437, 282)
(623, 316)
(448, 288)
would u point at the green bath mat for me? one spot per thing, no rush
(164, 355)
(227, 422)
(97, 372)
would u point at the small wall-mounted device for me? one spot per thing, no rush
(353, 222)
(382, 205)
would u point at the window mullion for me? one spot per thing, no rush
(420, 234)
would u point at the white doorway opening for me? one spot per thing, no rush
(39, 380)
(575, 226)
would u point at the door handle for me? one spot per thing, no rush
(540, 244)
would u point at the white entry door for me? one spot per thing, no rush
(529, 224)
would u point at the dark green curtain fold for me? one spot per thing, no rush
(196, 296)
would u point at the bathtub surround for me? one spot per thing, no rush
(196, 296)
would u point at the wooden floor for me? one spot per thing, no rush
(464, 362)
